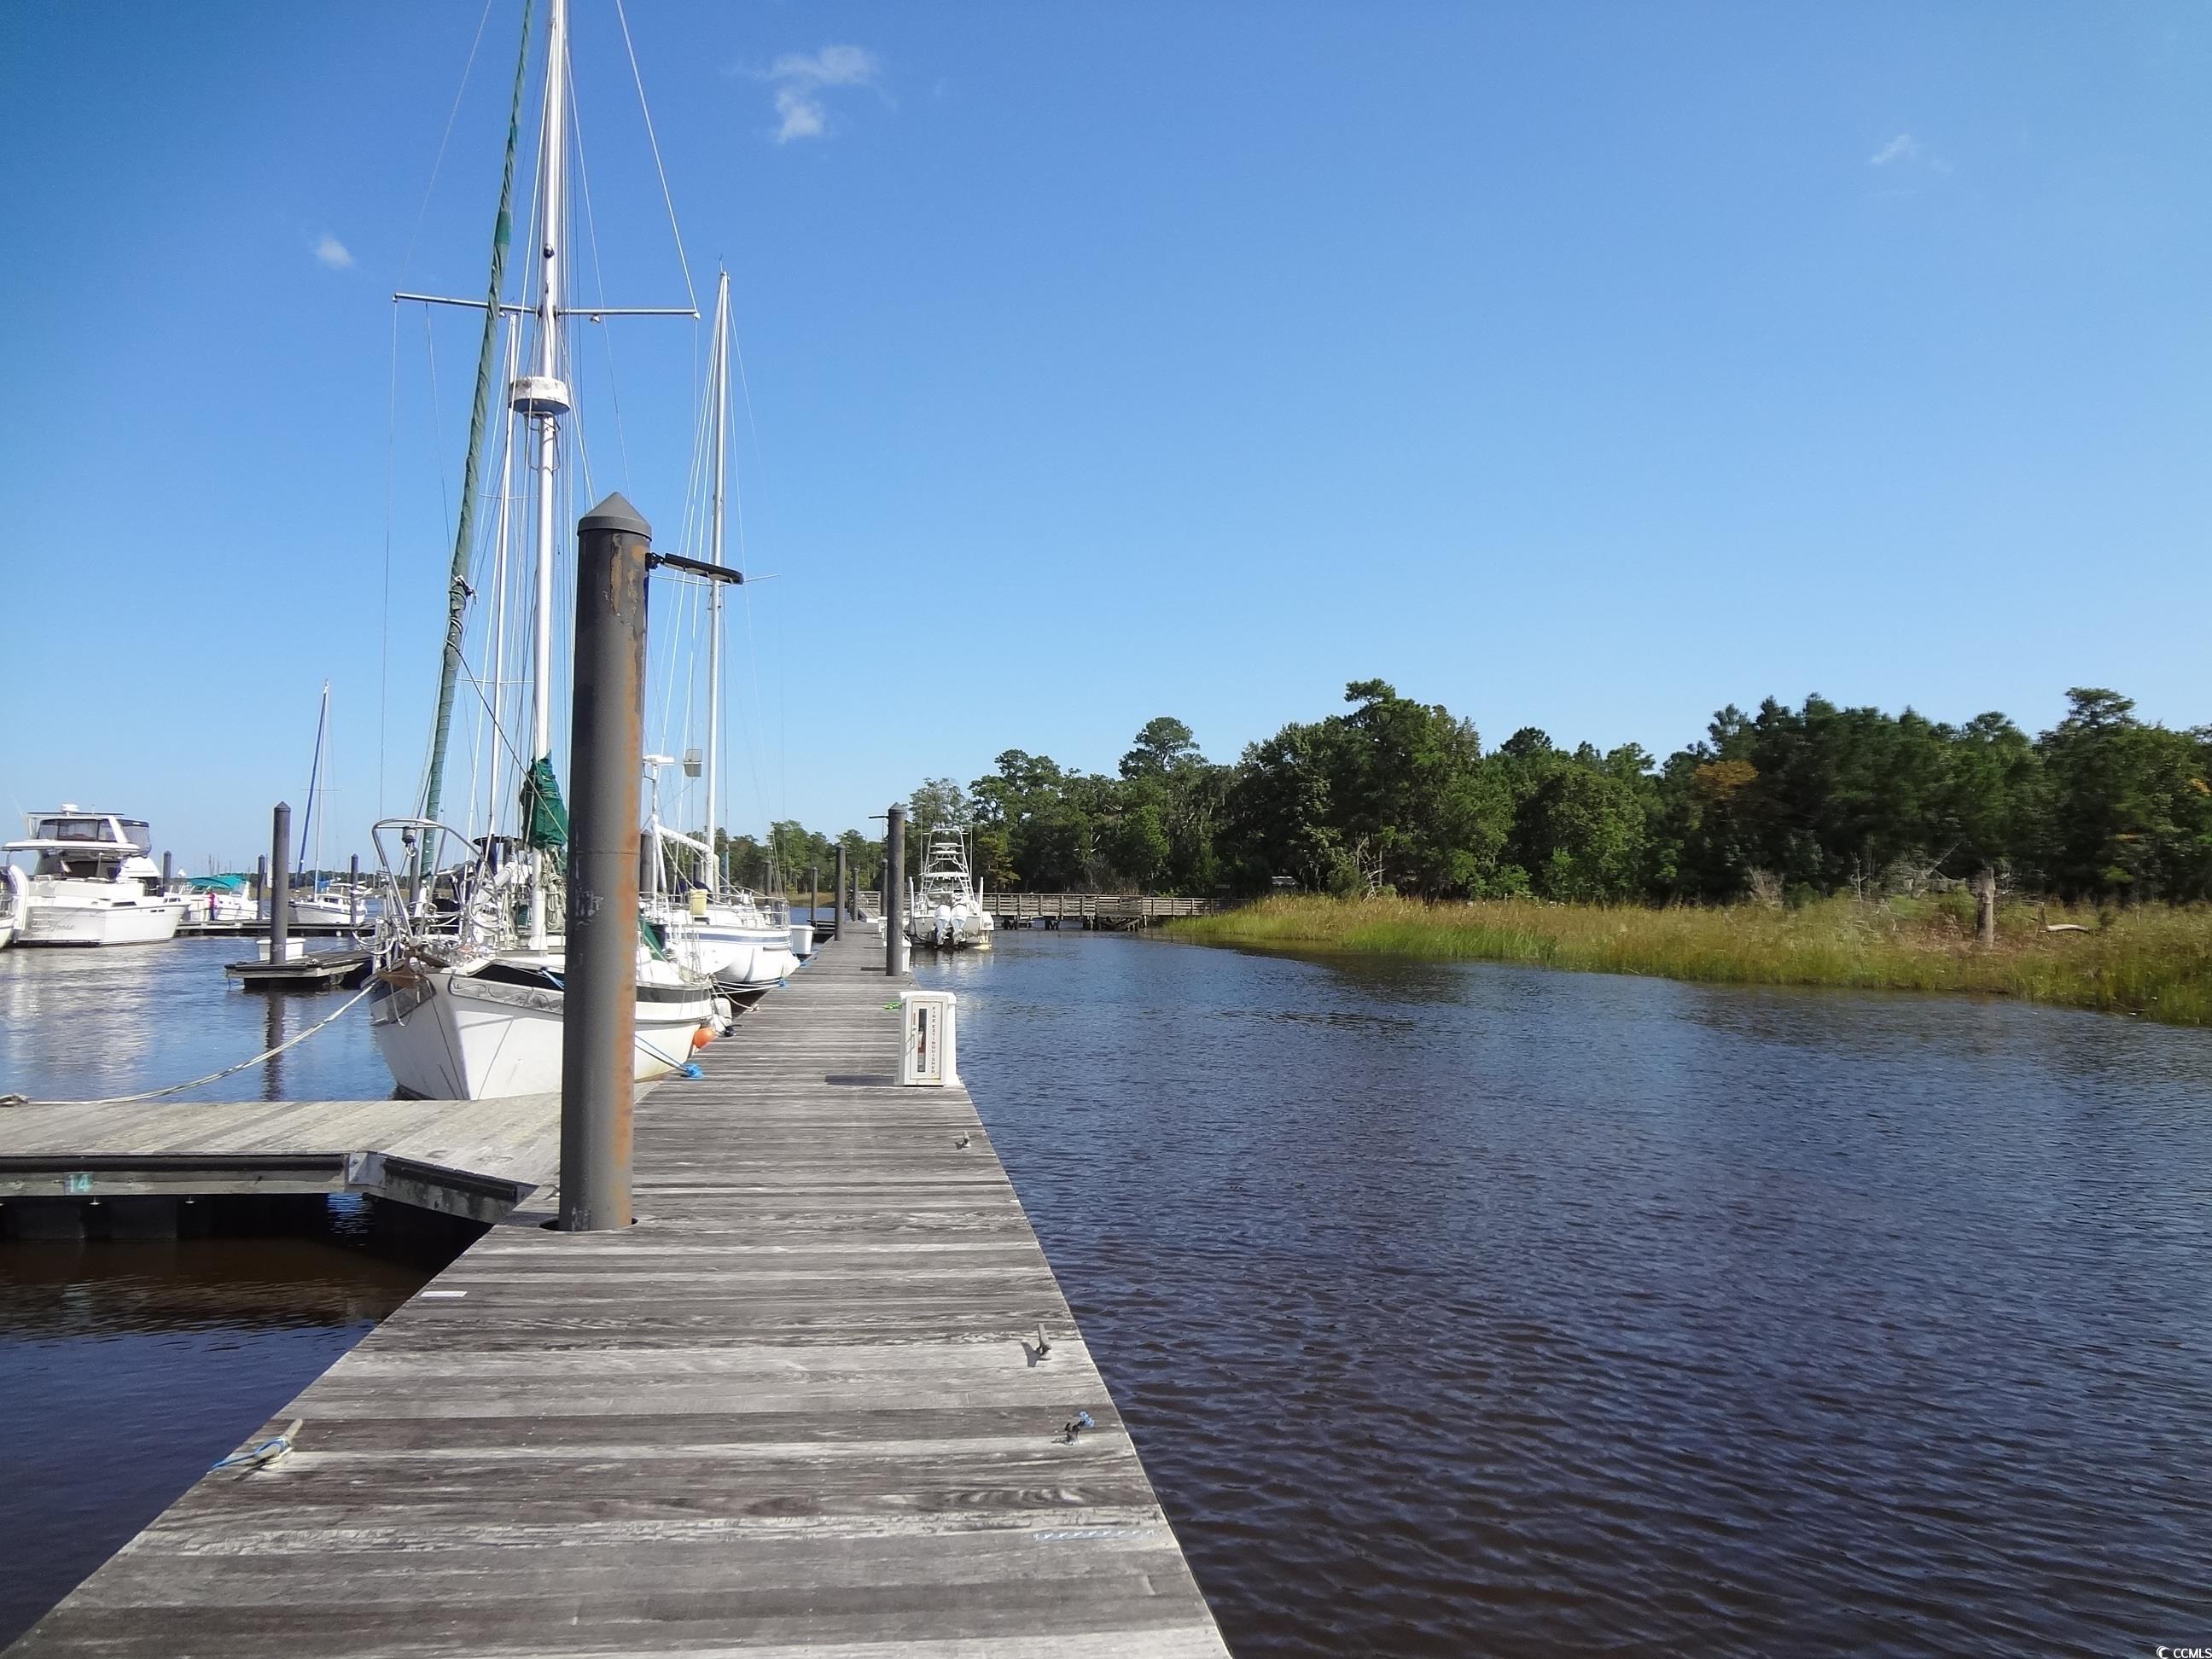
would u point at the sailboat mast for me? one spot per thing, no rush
(315, 782)
(510, 362)
(721, 379)
(544, 396)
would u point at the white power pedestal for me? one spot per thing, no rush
(930, 1055)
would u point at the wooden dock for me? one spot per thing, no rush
(477, 1159)
(798, 1409)
(1102, 911)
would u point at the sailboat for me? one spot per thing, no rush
(946, 911)
(738, 939)
(469, 982)
(326, 903)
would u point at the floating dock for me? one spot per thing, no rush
(799, 1408)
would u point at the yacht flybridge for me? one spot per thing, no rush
(94, 882)
(946, 912)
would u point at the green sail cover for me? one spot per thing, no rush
(545, 816)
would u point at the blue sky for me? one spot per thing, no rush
(1587, 366)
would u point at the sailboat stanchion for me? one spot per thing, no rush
(279, 884)
(894, 891)
(606, 755)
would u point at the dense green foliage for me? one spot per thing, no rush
(780, 863)
(1395, 796)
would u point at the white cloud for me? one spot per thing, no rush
(799, 78)
(832, 66)
(803, 116)
(1903, 148)
(333, 252)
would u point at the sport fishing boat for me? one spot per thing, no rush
(945, 913)
(94, 882)
(469, 984)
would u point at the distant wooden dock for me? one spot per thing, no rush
(1115, 911)
(799, 1409)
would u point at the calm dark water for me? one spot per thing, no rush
(1456, 1308)
(127, 1368)
(1466, 1309)
(83, 1024)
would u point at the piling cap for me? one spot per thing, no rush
(615, 513)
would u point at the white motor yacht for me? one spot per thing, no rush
(947, 913)
(94, 882)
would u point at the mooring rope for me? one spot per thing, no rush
(212, 1076)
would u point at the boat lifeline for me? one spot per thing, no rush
(94, 882)
(947, 913)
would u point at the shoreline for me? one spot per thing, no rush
(2154, 961)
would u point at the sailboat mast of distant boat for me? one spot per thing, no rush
(719, 366)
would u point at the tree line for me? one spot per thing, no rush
(1391, 795)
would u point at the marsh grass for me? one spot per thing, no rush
(2151, 960)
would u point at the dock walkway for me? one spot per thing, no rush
(797, 1409)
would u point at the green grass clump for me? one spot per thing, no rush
(2153, 960)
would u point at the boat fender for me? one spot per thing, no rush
(701, 1037)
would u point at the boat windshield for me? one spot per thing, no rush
(93, 827)
(79, 867)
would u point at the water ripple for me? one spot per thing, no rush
(1461, 1308)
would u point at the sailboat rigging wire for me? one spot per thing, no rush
(599, 278)
(437, 423)
(646, 109)
(457, 585)
(407, 259)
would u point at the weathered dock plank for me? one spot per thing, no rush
(798, 1409)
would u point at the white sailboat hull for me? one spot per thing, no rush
(738, 954)
(329, 913)
(446, 1035)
